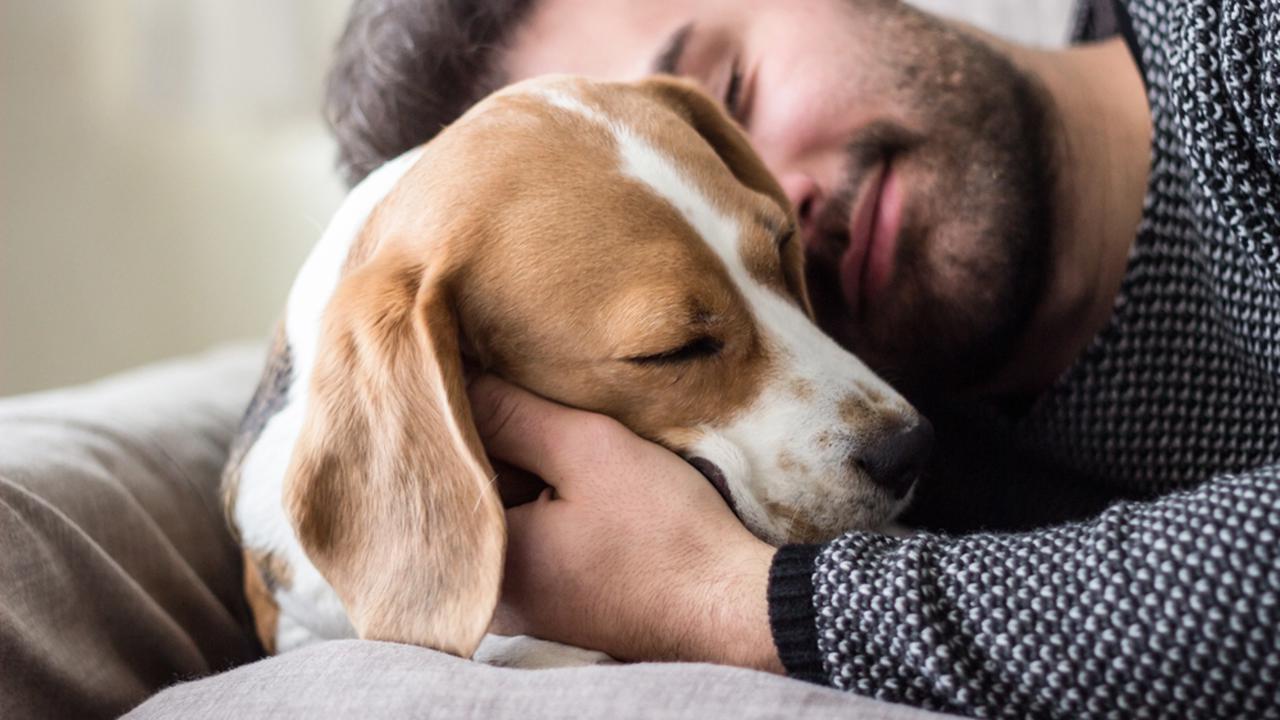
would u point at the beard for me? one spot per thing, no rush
(971, 261)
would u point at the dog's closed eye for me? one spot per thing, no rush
(704, 346)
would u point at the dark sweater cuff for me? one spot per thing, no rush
(792, 617)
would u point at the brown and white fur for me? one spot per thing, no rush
(614, 247)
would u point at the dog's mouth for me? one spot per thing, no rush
(712, 473)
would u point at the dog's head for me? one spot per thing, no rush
(617, 248)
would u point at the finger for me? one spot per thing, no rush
(525, 525)
(517, 612)
(519, 427)
(520, 518)
(516, 486)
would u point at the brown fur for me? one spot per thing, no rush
(802, 389)
(801, 531)
(790, 464)
(389, 489)
(538, 295)
(855, 412)
(505, 239)
(263, 573)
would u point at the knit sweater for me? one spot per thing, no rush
(1131, 566)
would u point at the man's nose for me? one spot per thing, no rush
(806, 199)
(895, 461)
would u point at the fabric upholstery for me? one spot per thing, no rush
(118, 575)
(370, 680)
(119, 578)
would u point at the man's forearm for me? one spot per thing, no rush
(1164, 605)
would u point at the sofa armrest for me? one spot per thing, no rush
(118, 575)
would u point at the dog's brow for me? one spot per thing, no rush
(668, 60)
(770, 223)
(703, 316)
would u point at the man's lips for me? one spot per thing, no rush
(874, 223)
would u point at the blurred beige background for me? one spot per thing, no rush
(164, 170)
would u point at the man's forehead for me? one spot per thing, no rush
(604, 39)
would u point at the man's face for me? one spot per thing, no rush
(916, 157)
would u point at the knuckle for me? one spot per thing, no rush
(599, 432)
(584, 441)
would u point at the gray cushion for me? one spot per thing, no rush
(370, 680)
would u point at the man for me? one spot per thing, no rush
(1073, 262)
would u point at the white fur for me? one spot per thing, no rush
(522, 651)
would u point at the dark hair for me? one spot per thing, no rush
(404, 69)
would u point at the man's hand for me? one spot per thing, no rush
(630, 551)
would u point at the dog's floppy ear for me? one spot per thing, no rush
(388, 488)
(726, 138)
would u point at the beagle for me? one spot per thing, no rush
(613, 247)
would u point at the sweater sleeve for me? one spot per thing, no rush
(1166, 608)
(1250, 65)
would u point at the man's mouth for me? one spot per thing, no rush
(874, 224)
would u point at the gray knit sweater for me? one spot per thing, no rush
(1126, 561)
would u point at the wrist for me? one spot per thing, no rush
(734, 625)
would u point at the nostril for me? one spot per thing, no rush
(804, 211)
(805, 196)
(896, 461)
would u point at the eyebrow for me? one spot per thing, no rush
(668, 60)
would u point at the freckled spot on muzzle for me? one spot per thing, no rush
(856, 412)
(790, 464)
(798, 529)
(802, 389)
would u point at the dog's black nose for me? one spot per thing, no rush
(895, 462)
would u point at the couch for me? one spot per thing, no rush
(120, 588)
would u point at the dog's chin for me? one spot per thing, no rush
(881, 520)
